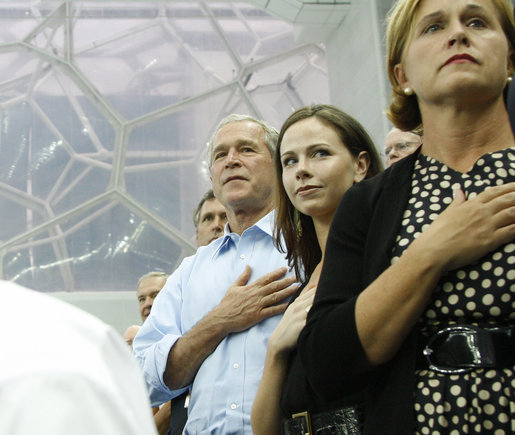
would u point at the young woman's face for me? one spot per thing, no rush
(456, 49)
(317, 167)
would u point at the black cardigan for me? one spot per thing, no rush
(359, 249)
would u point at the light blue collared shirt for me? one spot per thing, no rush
(223, 390)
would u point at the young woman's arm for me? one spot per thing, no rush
(266, 412)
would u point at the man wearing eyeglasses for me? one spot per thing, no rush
(399, 144)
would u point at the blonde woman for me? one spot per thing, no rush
(415, 300)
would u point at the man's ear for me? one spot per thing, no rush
(401, 77)
(362, 165)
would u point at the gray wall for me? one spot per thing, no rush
(117, 308)
(357, 77)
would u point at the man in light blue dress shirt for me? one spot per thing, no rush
(209, 326)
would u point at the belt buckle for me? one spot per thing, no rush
(428, 351)
(307, 418)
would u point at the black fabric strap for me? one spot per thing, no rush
(344, 421)
(461, 347)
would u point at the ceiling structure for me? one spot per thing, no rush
(106, 109)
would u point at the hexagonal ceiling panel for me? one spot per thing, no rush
(105, 112)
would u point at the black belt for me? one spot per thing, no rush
(462, 348)
(345, 421)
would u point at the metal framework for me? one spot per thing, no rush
(105, 110)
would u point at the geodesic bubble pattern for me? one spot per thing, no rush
(105, 112)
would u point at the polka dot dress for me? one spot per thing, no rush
(481, 401)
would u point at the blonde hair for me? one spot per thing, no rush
(404, 111)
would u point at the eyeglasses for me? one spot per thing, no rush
(401, 147)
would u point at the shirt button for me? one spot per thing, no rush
(234, 406)
(242, 256)
(235, 365)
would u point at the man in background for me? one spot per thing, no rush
(130, 333)
(209, 219)
(149, 285)
(399, 144)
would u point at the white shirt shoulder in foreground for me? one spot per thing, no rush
(63, 371)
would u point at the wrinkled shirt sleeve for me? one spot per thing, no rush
(159, 333)
(226, 382)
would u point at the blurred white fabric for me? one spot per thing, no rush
(63, 371)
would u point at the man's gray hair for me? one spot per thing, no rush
(153, 274)
(271, 134)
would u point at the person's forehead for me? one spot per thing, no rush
(239, 132)
(430, 6)
(439, 8)
(399, 136)
(131, 332)
(151, 284)
(211, 205)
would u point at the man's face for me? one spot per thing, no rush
(147, 292)
(211, 222)
(130, 333)
(242, 172)
(399, 144)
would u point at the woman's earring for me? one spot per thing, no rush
(508, 80)
(408, 91)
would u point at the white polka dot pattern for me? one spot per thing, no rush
(482, 401)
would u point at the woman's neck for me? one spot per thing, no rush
(322, 226)
(458, 137)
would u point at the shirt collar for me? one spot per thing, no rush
(265, 224)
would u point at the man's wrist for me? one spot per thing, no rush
(217, 323)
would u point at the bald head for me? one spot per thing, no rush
(130, 333)
(149, 285)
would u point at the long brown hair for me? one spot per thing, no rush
(294, 232)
